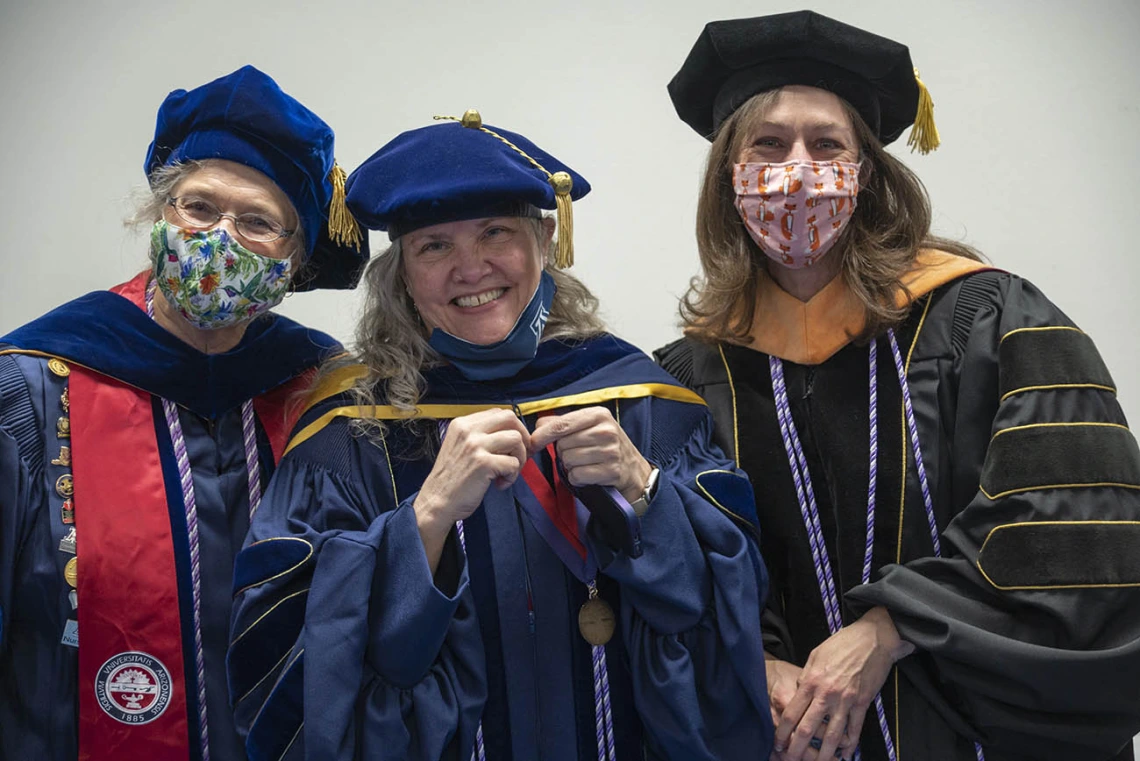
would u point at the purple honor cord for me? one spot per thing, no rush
(252, 464)
(806, 495)
(810, 512)
(253, 475)
(603, 715)
(927, 498)
(912, 428)
(873, 471)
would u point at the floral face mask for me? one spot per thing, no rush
(211, 279)
(795, 211)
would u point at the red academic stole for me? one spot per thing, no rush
(132, 686)
(556, 515)
(557, 501)
(133, 700)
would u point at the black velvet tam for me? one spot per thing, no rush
(736, 59)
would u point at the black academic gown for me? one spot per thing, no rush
(1028, 625)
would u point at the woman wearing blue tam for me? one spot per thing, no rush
(139, 426)
(500, 532)
(948, 492)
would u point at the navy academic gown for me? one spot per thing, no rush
(347, 648)
(106, 332)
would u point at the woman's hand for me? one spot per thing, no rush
(838, 683)
(594, 450)
(783, 681)
(477, 450)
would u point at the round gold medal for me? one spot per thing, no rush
(596, 621)
(71, 573)
(59, 367)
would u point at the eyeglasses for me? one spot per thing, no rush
(202, 215)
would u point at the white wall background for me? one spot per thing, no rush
(1037, 103)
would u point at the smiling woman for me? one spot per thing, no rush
(474, 278)
(527, 483)
(400, 357)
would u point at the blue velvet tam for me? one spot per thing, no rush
(455, 171)
(245, 117)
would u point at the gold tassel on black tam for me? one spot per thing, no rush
(923, 135)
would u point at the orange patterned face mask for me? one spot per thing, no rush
(796, 210)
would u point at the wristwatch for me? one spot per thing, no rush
(641, 504)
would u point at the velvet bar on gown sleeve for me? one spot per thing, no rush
(1031, 620)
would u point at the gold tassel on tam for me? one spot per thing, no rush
(562, 183)
(923, 135)
(343, 228)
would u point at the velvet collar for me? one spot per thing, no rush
(811, 332)
(559, 367)
(109, 332)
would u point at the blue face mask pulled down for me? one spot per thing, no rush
(501, 359)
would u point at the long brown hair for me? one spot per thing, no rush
(890, 224)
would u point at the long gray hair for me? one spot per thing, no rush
(392, 340)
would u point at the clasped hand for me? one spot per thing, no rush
(819, 711)
(491, 447)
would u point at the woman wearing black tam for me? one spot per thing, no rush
(139, 425)
(946, 486)
(500, 532)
